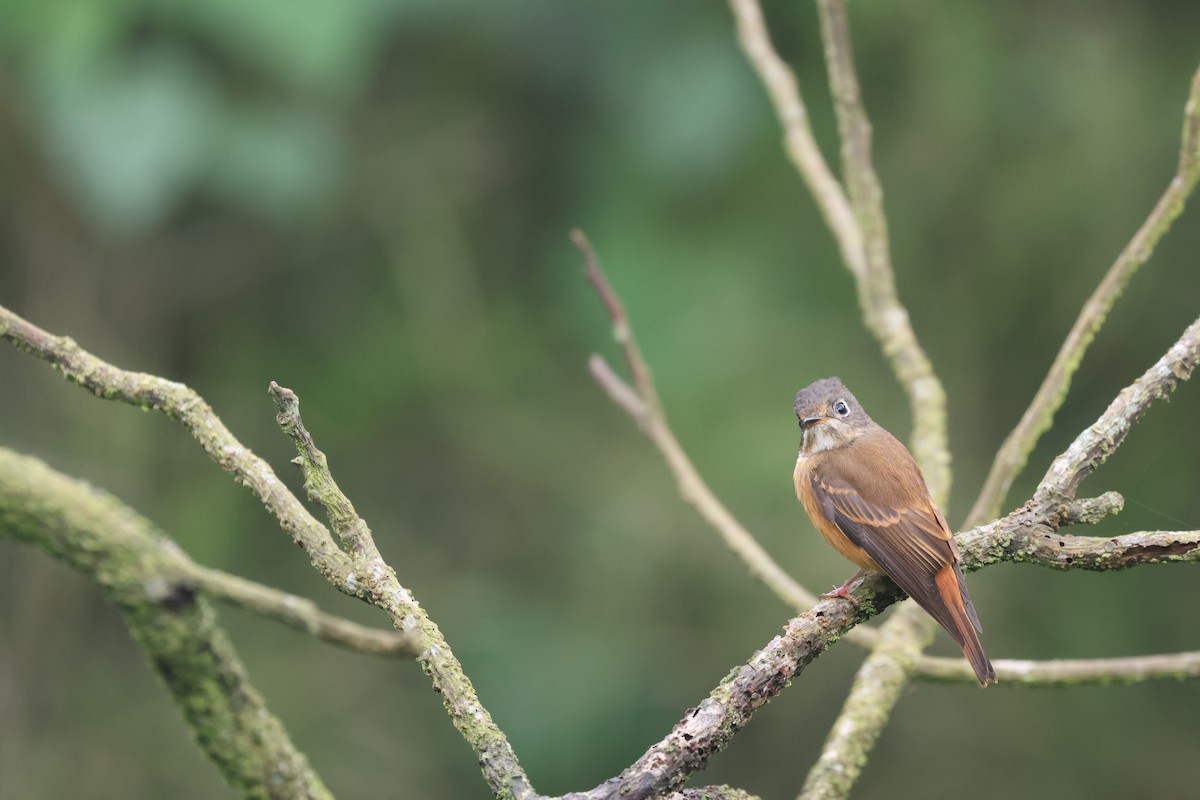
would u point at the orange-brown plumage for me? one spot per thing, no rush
(867, 497)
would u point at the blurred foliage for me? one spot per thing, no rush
(368, 202)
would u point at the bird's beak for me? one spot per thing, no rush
(808, 422)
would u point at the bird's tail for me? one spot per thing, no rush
(953, 592)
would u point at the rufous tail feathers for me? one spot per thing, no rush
(953, 592)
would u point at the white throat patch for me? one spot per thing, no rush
(816, 439)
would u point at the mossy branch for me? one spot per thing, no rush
(1038, 418)
(876, 690)
(359, 572)
(148, 577)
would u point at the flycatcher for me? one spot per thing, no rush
(866, 496)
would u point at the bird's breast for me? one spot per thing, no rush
(807, 468)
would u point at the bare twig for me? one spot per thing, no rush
(139, 569)
(1069, 672)
(298, 613)
(641, 402)
(799, 142)
(1037, 419)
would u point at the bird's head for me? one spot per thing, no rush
(829, 416)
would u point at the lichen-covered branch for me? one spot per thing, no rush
(1101, 439)
(1028, 537)
(707, 728)
(298, 613)
(711, 793)
(799, 142)
(181, 403)
(1031, 533)
(359, 572)
(876, 690)
(1037, 419)
(883, 313)
(1068, 672)
(376, 582)
(145, 574)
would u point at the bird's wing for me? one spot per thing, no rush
(906, 536)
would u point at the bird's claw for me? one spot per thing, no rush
(843, 592)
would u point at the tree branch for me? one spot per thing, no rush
(707, 728)
(799, 142)
(181, 403)
(858, 223)
(298, 613)
(1068, 672)
(883, 313)
(886, 672)
(876, 690)
(376, 582)
(1093, 446)
(711, 793)
(1038, 418)
(361, 572)
(1035, 541)
(641, 402)
(145, 574)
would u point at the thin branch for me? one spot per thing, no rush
(643, 384)
(181, 403)
(1068, 672)
(377, 583)
(298, 613)
(883, 313)
(1038, 418)
(144, 573)
(1094, 445)
(641, 402)
(799, 142)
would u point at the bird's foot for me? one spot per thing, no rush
(843, 591)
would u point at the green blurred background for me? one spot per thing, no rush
(369, 202)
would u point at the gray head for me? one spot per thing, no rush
(829, 416)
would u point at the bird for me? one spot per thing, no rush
(866, 496)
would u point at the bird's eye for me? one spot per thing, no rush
(840, 408)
